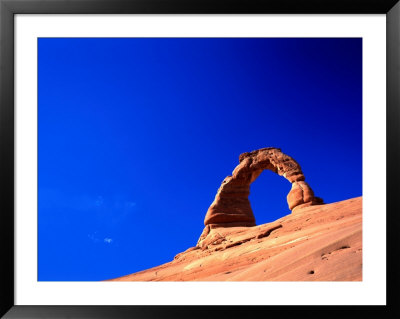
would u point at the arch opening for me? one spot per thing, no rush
(268, 197)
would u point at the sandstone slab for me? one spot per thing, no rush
(314, 243)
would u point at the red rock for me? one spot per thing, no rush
(231, 204)
(300, 193)
(315, 243)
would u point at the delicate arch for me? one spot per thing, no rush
(231, 206)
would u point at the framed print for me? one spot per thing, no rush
(161, 155)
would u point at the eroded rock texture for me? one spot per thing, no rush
(317, 243)
(231, 206)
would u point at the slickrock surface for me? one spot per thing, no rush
(314, 243)
(231, 206)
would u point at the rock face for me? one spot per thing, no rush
(231, 206)
(314, 243)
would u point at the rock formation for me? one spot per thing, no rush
(231, 206)
(315, 243)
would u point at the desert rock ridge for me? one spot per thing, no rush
(313, 243)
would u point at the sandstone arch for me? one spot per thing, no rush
(231, 206)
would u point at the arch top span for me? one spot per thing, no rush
(273, 159)
(231, 206)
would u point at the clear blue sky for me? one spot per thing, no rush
(136, 136)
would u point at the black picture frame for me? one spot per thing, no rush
(8, 8)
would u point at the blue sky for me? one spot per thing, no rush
(137, 134)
